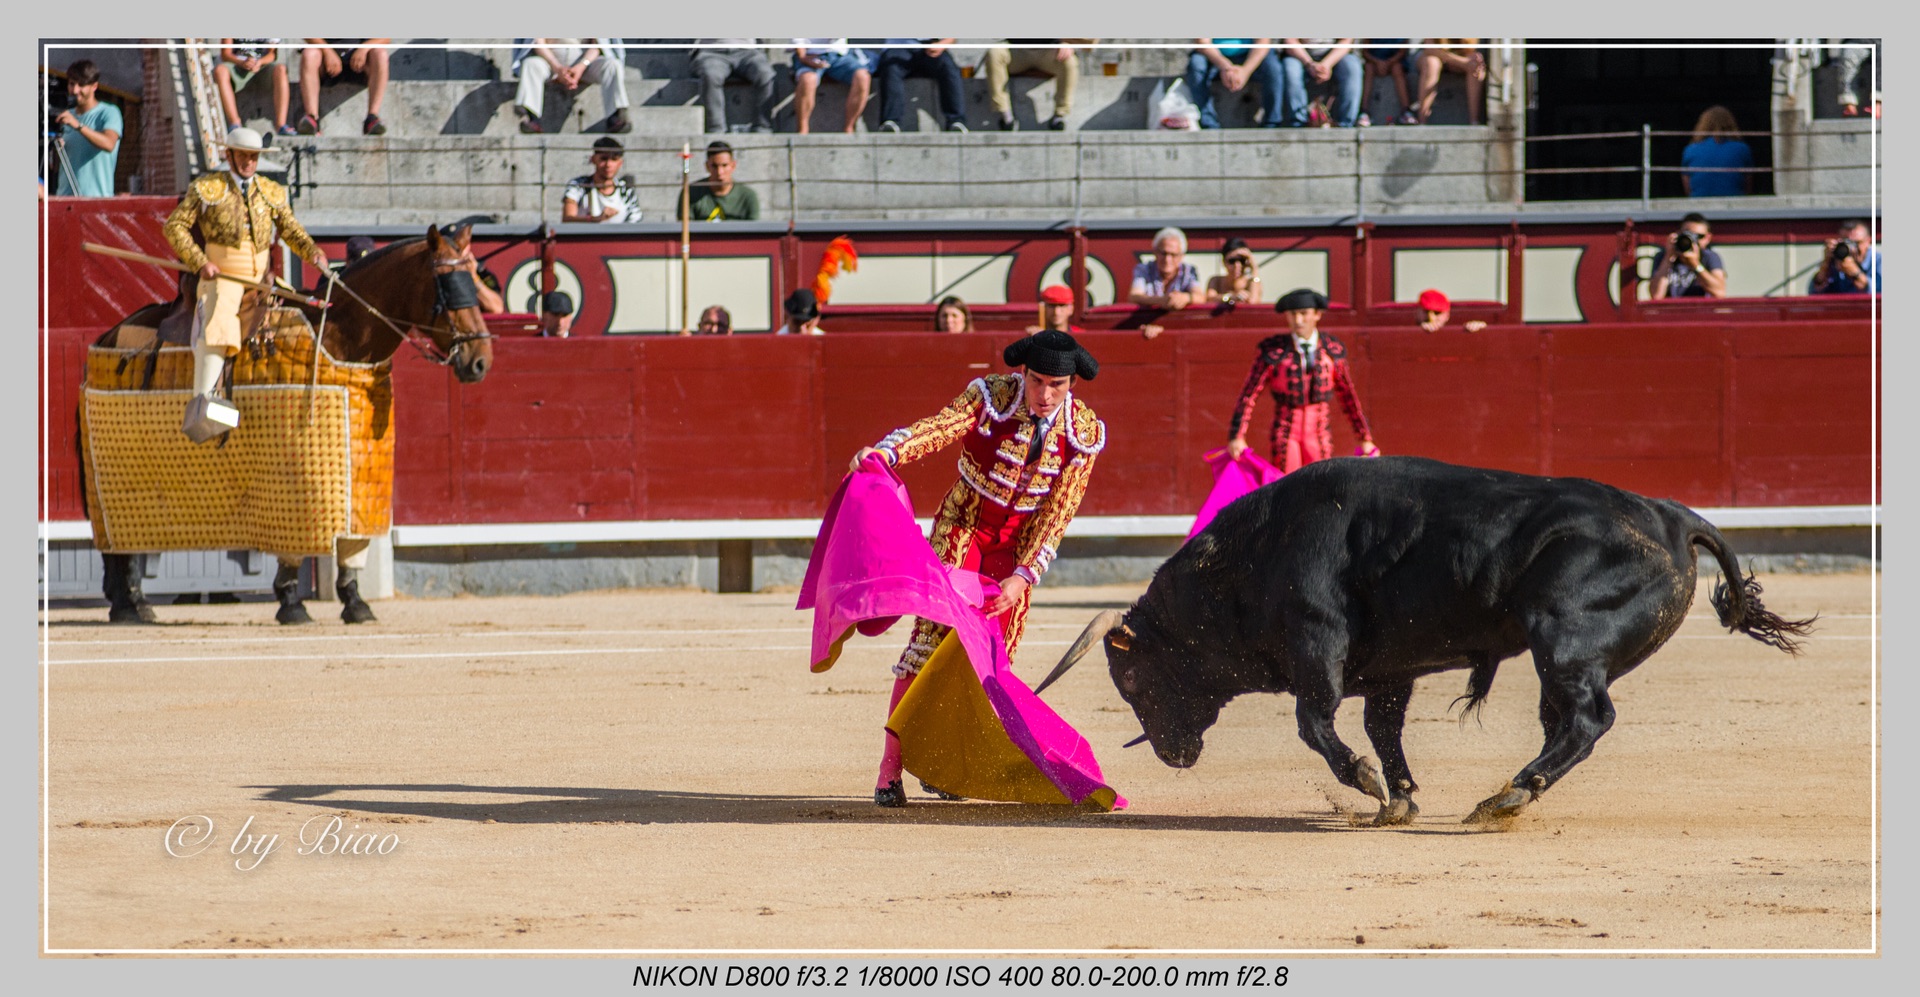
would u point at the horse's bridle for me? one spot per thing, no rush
(450, 294)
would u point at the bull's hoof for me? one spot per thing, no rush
(1397, 811)
(293, 612)
(1366, 778)
(138, 612)
(1499, 806)
(356, 612)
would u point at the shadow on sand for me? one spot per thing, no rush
(577, 805)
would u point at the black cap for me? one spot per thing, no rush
(609, 144)
(801, 306)
(1301, 297)
(557, 303)
(358, 246)
(1053, 353)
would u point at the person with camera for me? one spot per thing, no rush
(89, 136)
(1687, 268)
(1851, 264)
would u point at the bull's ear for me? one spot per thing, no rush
(1120, 637)
(1126, 681)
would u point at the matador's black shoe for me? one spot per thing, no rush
(890, 795)
(937, 792)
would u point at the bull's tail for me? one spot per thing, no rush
(1736, 597)
(1479, 683)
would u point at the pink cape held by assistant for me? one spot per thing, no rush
(967, 724)
(1231, 479)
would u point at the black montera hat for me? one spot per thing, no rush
(1053, 353)
(1301, 297)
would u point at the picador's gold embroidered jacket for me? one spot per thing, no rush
(214, 211)
(991, 420)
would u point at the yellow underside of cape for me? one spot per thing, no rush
(950, 737)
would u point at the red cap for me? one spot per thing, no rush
(1434, 301)
(1057, 295)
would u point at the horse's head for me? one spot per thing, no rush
(458, 329)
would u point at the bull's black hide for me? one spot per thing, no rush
(1354, 577)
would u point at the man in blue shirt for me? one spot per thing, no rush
(1856, 270)
(89, 136)
(1235, 62)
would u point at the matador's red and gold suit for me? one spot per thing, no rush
(1007, 512)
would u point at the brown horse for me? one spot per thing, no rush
(416, 291)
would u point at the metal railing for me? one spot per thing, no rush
(787, 159)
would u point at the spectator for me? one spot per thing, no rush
(1851, 264)
(1456, 55)
(1215, 60)
(343, 60)
(1052, 56)
(904, 57)
(952, 316)
(1056, 310)
(571, 63)
(803, 315)
(1166, 281)
(1686, 268)
(1317, 60)
(1241, 282)
(716, 321)
(1716, 146)
(241, 59)
(717, 60)
(1847, 62)
(1435, 309)
(718, 198)
(556, 314)
(1389, 57)
(359, 246)
(815, 59)
(486, 287)
(89, 136)
(603, 195)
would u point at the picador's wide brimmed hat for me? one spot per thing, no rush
(1301, 297)
(240, 138)
(1053, 353)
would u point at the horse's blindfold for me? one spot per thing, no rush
(457, 291)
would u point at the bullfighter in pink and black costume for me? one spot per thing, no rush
(1304, 370)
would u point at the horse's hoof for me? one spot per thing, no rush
(356, 612)
(136, 613)
(1499, 806)
(890, 795)
(1397, 811)
(293, 613)
(1366, 778)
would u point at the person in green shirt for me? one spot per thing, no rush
(718, 198)
(89, 136)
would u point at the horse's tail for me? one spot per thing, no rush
(1736, 598)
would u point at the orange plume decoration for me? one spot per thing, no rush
(840, 253)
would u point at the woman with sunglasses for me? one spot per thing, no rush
(1241, 283)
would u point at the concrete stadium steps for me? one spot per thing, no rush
(455, 92)
(399, 179)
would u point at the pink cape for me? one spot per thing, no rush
(1231, 479)
(871, 565)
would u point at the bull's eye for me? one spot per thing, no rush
(1127, 682)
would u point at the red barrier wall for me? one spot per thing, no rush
(1748, 406)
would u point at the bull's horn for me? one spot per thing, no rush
(1094, 631)
(1135, 741)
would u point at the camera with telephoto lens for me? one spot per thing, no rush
(1845, 249)
(1683, 242)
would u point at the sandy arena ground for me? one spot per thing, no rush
(646, 770)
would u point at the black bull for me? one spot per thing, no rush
(1356, 577)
